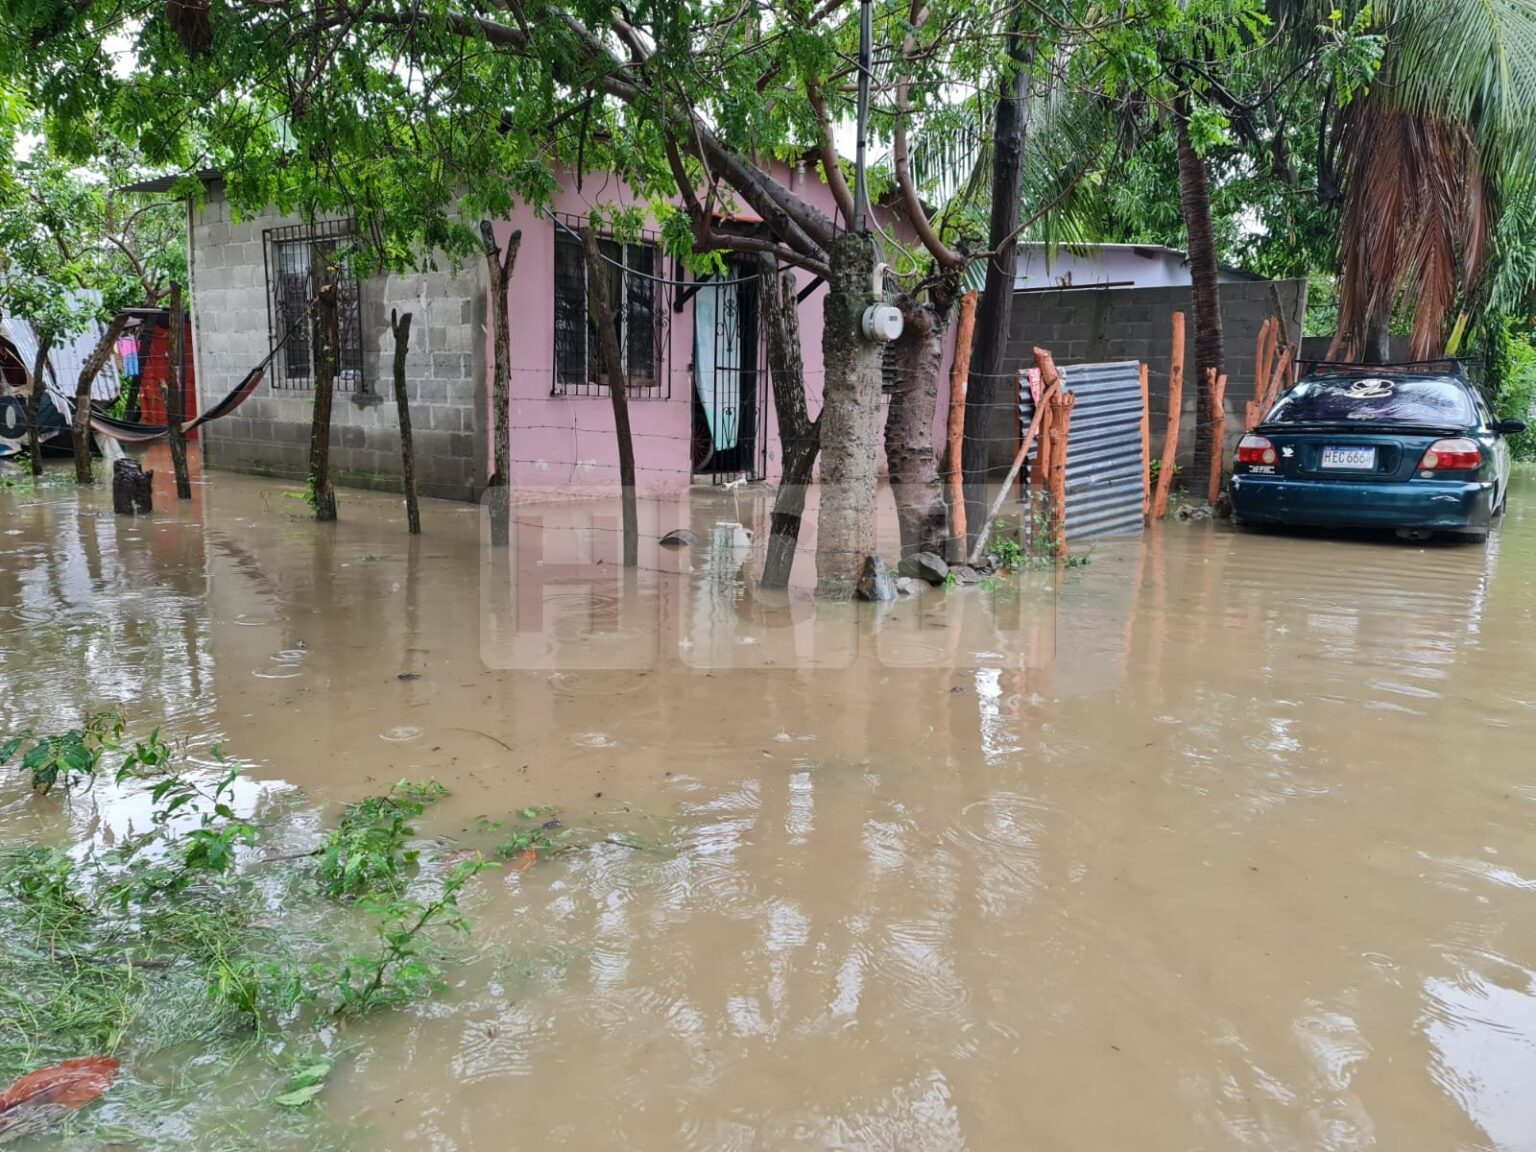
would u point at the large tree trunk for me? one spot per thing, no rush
(909, 455)
(35, 402)
(990, 405)
(1376, 343)
(400, 327)
(326, 338)
(501, 267)
(600, 315)
(1205, 302)
(799, 436)
(81, 428)
(850, 421)
(175, 395)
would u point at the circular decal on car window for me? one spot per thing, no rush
(1370, 389)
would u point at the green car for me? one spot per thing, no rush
(1418, 451)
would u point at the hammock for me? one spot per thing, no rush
(132, 432)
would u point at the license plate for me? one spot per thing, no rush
(1352, 459)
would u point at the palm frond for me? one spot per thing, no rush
(1468, 61)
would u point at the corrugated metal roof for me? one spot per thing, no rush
(1104, 465)
(67, 359)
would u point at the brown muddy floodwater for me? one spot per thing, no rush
(1224, 841)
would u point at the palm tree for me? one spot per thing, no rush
(1443, 138)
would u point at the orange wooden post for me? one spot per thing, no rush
(1040, 470)
(1218, 434)
(1264, 356)
(1175, 410)
(1263, 368)
(958, 376)
(1281, 379)
(1050, 381)
(1061, 423)
(1146, 446)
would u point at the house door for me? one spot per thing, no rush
(727, 401)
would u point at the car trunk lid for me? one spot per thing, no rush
(1349, 453)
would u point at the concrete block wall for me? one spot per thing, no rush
(1087, 326)
(269, 433)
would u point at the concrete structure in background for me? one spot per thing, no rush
(1045, 266)
(1100, 325)
(237, 299)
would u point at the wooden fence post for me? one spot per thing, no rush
(958, 375)
(1175, 410)
(1061, 423)
(174, 393)
(400, 326)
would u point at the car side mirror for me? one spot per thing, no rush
(1509, 427)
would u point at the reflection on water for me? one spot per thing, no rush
(1220, 842)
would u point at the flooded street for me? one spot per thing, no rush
(1222, 841)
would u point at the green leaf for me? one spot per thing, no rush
(313, 1074)
(299, 1096)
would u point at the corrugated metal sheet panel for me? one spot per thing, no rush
(68, 359)
(1104, 466)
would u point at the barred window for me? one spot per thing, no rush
(578, 359)
(295, 257)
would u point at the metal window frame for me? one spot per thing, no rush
(351, 375)
(754, 381)
(659, 387)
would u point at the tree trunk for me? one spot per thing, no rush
(35, 402)
(500, 267)
(1376, 342)
(600, 314)
(175, 395)
(1205, 303)
(990, 405)
(799, 436)
(322, 494)
(909, 455)
(850, 421)
(81, 428)
(400, 326)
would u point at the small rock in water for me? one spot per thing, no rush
(924, 566)
(965, 574)
(875, 582)
(1194, 512)
(906, 586)
(679, 538)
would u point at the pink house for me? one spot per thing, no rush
(699, 398)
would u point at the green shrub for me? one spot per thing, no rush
(1517, 391)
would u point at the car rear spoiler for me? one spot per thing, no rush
(1361, 427)
(1467, 368)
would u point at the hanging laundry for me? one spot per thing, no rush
(128, 354)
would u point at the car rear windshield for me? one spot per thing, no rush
(1375, 400)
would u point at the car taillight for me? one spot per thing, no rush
(1255, 450)
(1458, 455)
